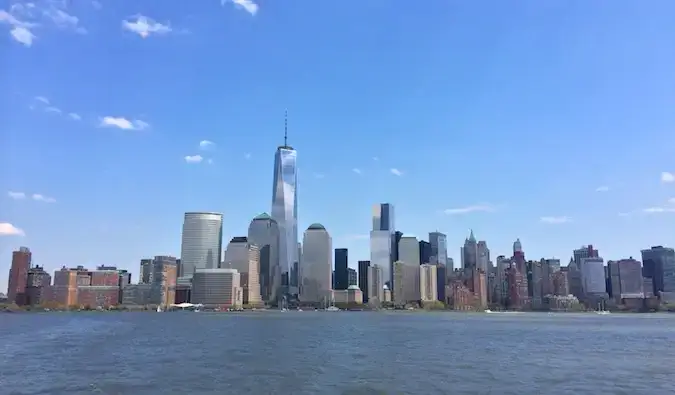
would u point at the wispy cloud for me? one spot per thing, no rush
(24, 17)
(357, 171)
(194, 159)
(204, 144)
(319, 175)
(667, 177)
(396, 172)
(375, 158)
(247, 156)
(16, 195)
(42, 99)
(42, 198)
(123, 123)
(486, 208)
(555, 220)
(74, 116)
(7, 229)
(145, 26)
(54, 110)
(248, 5)
(669, 207)
(602, 188)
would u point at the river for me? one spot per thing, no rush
(335, 353)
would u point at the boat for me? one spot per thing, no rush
(487, 311)
(601, 309)
(159, 309)
(332, 304)
(332, 308)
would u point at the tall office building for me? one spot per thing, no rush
(285, 210)
(470, 252)
(341, 268)
(317, 265)
(202, 241)
(425, 251)
(439, 248)
(593, 276)
(408, 255)
(18, 276)
(363, 279)
(375, 284)
(428, 283)
(163, 280)
(245, 258)
(264, 232)
(382, 240)
(659, 265)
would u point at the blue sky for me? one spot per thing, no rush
(549, 121)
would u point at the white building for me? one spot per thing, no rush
(593, 276)
(201, 241)
(428, 283)
(317, 265)
(245, 258)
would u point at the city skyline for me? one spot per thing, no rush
(451, 136)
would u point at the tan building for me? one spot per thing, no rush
(351, 295)
(428, 283)
(64, 290)
(217, 288)
(245, 258)
(479, 288)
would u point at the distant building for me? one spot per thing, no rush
(364, 267)
(352, 276)
(375, 285)
(441, 278)
(317, 264)
(425, 251)
(428, 283)
(439, 249)
(560, 284)
(38, 286)
(659, 266)
(341, 268)
(351, 295)
(18, 275)
(201, 241)
(217, 288)
(264, 232)
(245, 258)
(593, 276)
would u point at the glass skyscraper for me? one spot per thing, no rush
(383, 241)
(285, 212)
(201, 242)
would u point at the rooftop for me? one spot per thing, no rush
(316, 226)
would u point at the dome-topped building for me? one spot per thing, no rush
(316, 226)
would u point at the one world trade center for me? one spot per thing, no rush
(285, 213)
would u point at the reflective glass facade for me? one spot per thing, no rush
(285, 211)
(381, 253)
(201, 242)
(439, 247)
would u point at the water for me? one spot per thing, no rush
(335, 353)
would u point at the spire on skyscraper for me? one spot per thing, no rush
(286, 128)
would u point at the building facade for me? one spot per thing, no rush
(217, 288)
(264, 232)
(18, 275)
(317, 265)
(201, 242)
(428, 283)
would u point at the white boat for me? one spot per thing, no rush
(159, 309)
(332, 308)
(487, 311)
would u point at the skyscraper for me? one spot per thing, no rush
(317, 265)
(383, 246)
(364, 267)
(285, 210)
(439, 247)
(18, 276)
(264, 232)
(245, 258)
(341, 268)
(202, 241)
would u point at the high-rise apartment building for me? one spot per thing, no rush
(245, 258)
(18, 275)
(593, 276)
(145, 272)
(341, 268)
(163, 280)
(428, 283)
(201, 242)
(352, 277)
(317, 265)
(285, 211)
(38, 286)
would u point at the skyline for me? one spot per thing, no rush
(476, 124)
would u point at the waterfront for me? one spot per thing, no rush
(344, 353)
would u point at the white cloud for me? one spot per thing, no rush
(375, 158)
(667, 177)
(42, 198)
(7, 229)
(357, 171)
(486, 208)
(16, 195)
(22, 35)
(248, 5)
(123, 123)
(206, 144)
(624, 214)
(64, 20)
(209, 161)
(74, 116)
(193, 158)
(319, 175)
(396, 172)
(671, 201)
(42, 99)
(555, 220)
(144, 26)
(247, 156)
(602, 188)
(53, 110)
(658, 210)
